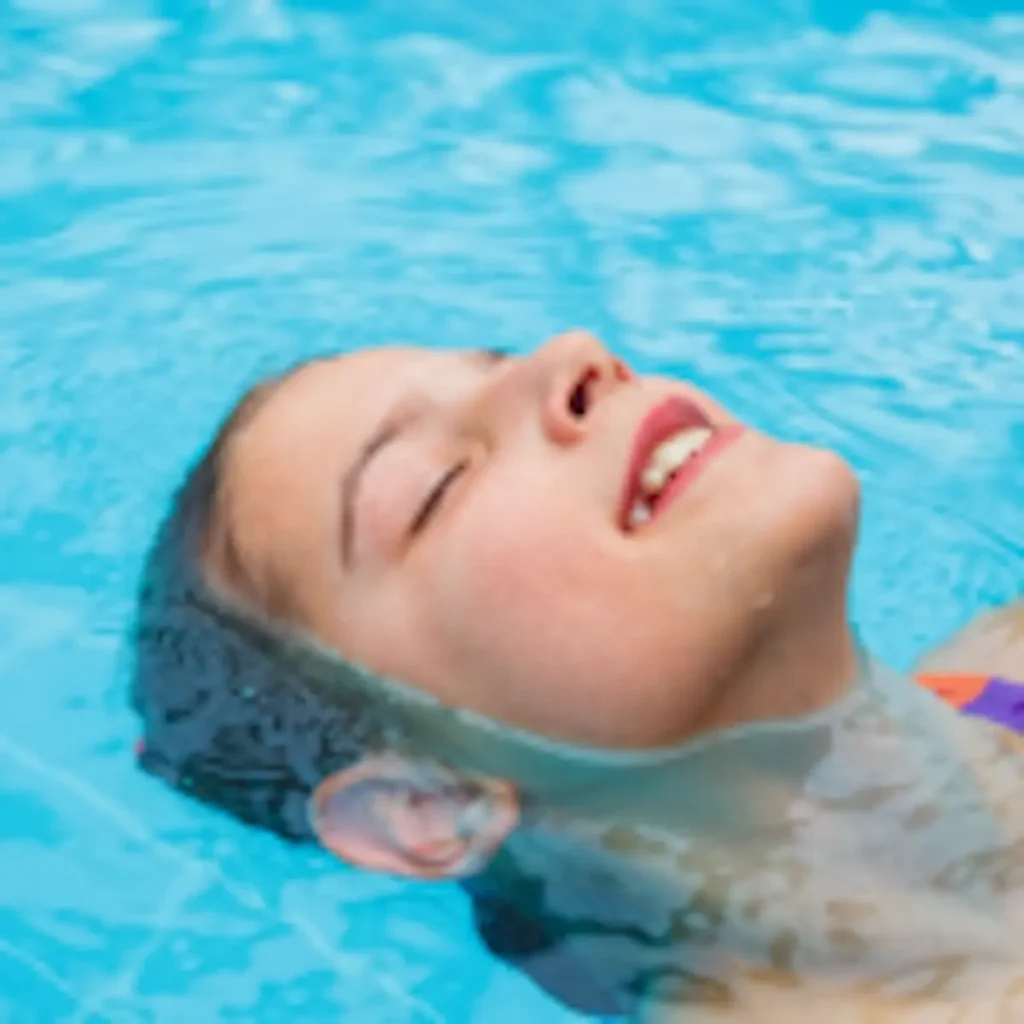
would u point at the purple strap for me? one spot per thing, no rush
(1002, 701)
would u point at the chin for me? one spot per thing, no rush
(820, 506)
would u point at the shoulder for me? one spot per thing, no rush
(990, 645)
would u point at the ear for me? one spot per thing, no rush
(413, 818)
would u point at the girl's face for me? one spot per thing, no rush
(478, 527)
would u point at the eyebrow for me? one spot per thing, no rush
(389, 429)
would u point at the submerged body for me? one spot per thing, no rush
(867, 862)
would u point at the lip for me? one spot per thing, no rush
(665, 419)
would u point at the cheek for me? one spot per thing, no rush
(543, 621)
(512, 590)
(516, 577)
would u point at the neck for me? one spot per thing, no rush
(802, 659)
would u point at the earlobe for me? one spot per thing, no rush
(413, 818)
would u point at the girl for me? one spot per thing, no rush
(581, 640)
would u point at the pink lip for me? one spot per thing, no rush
(664, 420)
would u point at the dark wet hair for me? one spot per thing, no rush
(231, 714)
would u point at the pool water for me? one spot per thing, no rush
(814, 209)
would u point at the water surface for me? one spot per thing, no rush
(814, 209)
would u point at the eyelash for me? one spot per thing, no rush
(440, 489)
(435, 498)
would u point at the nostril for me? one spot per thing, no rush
(579, 400)
(622, 372)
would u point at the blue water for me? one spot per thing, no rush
(815, 210)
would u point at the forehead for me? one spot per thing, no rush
(352, 386)
(331, 404)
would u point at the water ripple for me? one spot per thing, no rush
(818, 216)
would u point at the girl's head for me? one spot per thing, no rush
(461, 522)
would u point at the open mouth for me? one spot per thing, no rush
(675, 440)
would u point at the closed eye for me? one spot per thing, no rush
(436, 497)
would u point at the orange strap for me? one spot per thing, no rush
(958, 689)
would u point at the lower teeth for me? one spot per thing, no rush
(639, 515)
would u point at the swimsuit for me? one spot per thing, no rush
(996, 698)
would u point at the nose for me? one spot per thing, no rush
(564, 380)
(578, 372)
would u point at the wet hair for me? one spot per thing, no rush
(231, 712)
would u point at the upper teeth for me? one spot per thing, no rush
(670, 456)
(667, 459)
